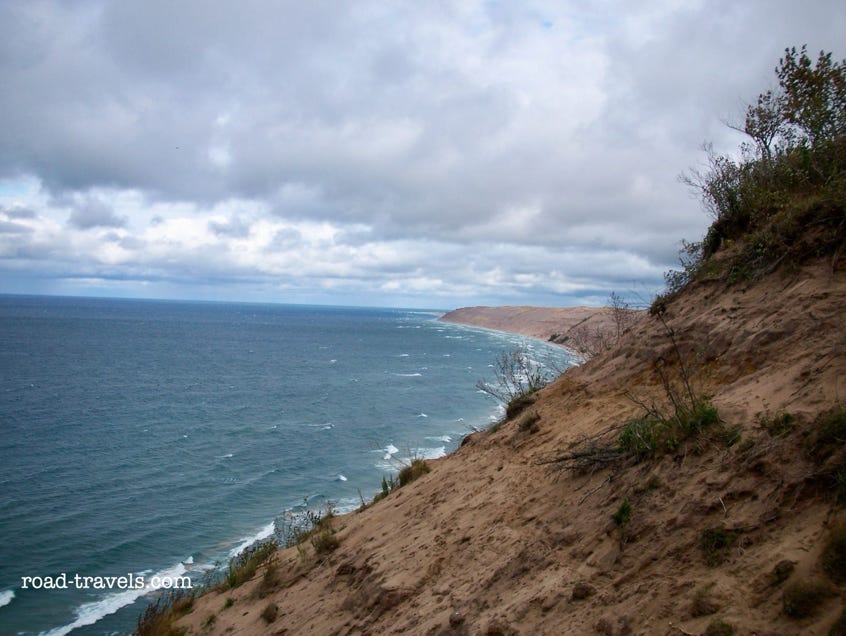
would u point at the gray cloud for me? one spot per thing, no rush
(337, 131)
(93, 213)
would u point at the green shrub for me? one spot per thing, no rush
(623, 514)
(778, 424)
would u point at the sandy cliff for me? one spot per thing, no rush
(721, 528)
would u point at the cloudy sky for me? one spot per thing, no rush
(416, 154)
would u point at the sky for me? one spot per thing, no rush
(430, 154)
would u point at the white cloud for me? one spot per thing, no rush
(423, 153)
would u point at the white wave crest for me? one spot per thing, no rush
(264, 533)
(6, 597)
(90, 613)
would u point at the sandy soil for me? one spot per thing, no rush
(495, 540)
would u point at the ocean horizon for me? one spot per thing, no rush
(155, 439)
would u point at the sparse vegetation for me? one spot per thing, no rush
(623, 514)
(718, 628)
(703, 603)
(834, 553)
(590, 341)
(416, 469)
(776, 424)
(715, 544)
(802, 598)
(270, 613)
(243, 567)
(782, 571)
(517, 377)
(229, 603)
(158, 617)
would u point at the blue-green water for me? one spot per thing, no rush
(157, 438)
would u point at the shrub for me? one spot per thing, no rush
(715, 544)
(719, 628)
(703, 604)
(802, 598)
(325, 541)
(782, 571)
(270, 612)
(417, 468)
(243, 567)
(834, 554)
(157, 618)
(778, 424)
(623, 514)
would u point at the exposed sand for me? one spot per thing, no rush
(536, 322)
(492, 542)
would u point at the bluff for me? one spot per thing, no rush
(513, 533)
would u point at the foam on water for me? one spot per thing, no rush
(90, 613)
(265, 533)
(6, 597)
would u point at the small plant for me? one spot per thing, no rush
(270, 612)
(229, 603)
(623, 514)
(777, 424)
(834, 554)
(719, 628)
(802, 598)
(715, 544)
(703, 604)
(416, 469)
(243, 567)
(325, 541)
(212, 618)
(782, 571)
(158, 617)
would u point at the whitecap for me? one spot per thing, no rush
(408, 375)
(422, 415)
(264, 533)
(442, 438)
(6, 597)
(390, 451)
(90, 613)
(403, 355)
(227, 456)
(333, 361)
(340, 477)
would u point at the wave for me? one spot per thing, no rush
(265, 533)
(340, 477)
(6, 597)
(408, 375)
(443, 438)
(390, 451)
(422, 415)
(227, 456)
(90, 613)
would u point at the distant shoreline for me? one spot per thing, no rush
(544, 323)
